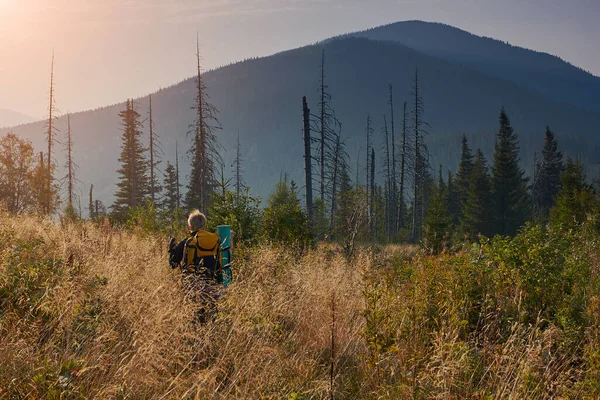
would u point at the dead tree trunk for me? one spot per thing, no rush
(394, 185)
(401, 211)
(334, 178)
(70, 165)
(307, 159)
(372, 181)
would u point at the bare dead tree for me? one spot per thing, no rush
(51, 133)
(238, 169)
(91, 205)
(339, 164)
(421, 161)
(373, 194)
(307, 159)
(393, 182)
(325, 124)
(403, 156)
(205, 147)
(389, 198)
(70, 165)
(177, 174)
(155, 152)
(369, 137)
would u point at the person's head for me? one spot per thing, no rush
(196, 221)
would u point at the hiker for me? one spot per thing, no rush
(199, 260)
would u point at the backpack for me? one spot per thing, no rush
(202, 256)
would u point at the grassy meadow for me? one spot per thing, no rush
(91, 311)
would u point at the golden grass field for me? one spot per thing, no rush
(88, 311)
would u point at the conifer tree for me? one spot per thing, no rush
(463, 177)
(437, 222)
(132, 187)
(170, 198)
(547, 183)
(453, 199)
(576, 199)
(475, 215)
(509, 186)
(204, 151)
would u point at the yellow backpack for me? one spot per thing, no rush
(201, 255)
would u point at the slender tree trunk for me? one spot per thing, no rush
(50, 134)
(393, 187)
(336, 167)
(69, 162)
(401, 211)
(307, 159)
(177, 175)
(417, 171)
(323, 125)
(92, 216)
(238, 168)
(373, 226)
(152, 176)
(368, 166)
(390, 218)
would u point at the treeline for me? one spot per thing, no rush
(392, 196)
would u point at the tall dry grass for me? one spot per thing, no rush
(88, 311)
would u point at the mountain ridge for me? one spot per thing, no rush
(261, 98)
(532, 69)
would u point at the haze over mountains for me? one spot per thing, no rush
(465, 80)
(12, 118)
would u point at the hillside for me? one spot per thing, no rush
(261, 98)
(538, 71)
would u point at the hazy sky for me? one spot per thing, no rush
(108, 50)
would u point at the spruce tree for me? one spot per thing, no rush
(509, 185)
(453, 199)
(575, 200)
(463, 177)
(437, 222)
(547, 183)
(132, 187)
(475, 216)
(170, 200)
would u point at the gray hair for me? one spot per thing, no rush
(197, 220)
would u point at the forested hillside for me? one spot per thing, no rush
(261, 99)
(538, 71)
